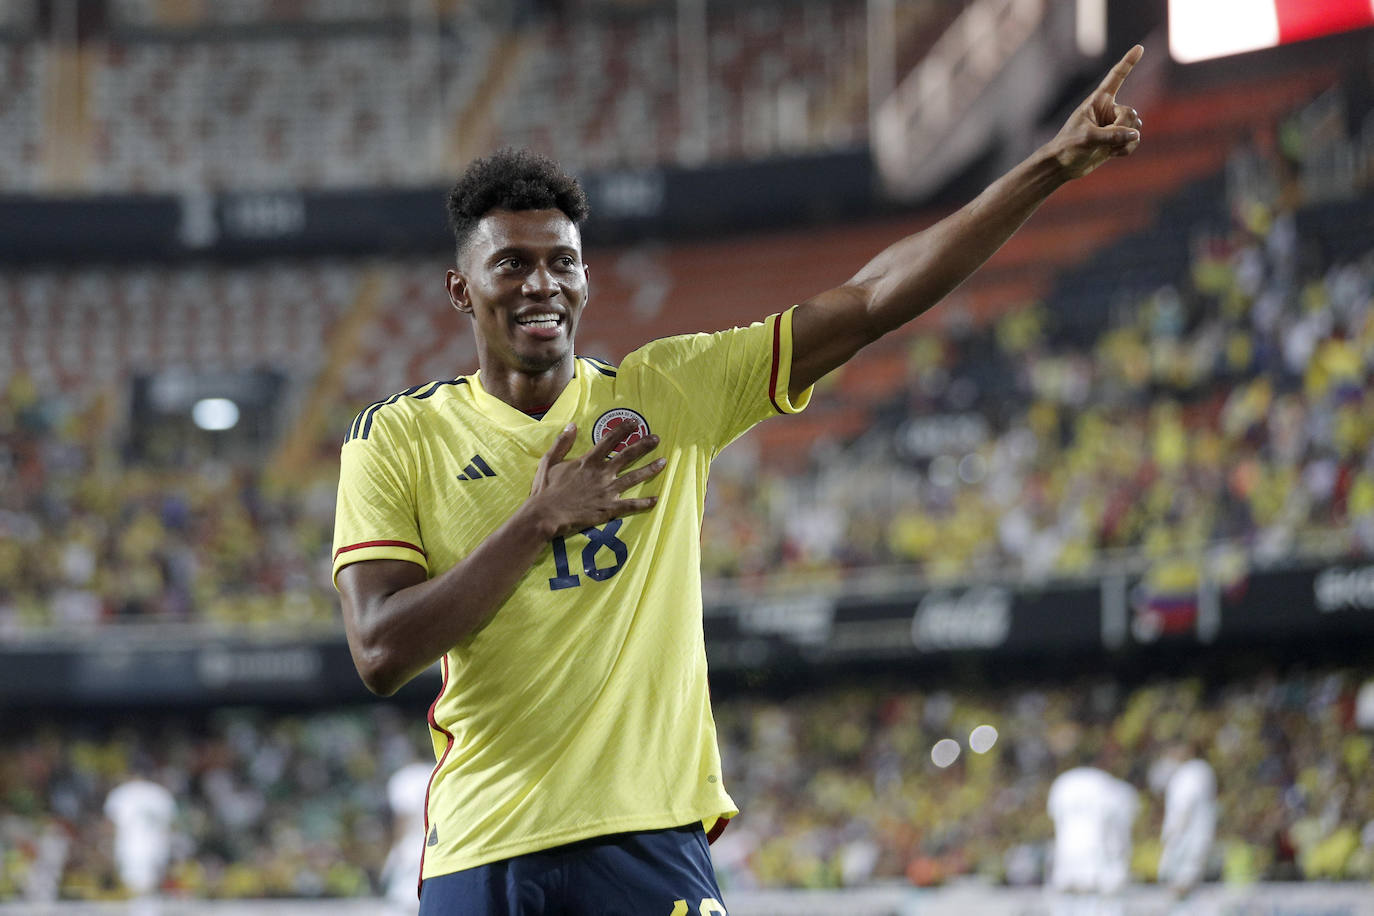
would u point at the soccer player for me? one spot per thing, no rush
(534, 528)
(1190, 819)
(405, 792)
(1092, 812)
(143, 812)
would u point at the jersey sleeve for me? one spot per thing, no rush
(375, 516)
(727, 381)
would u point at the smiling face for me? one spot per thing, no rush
(521, 278)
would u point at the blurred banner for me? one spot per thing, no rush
(111, 671)
(1115, 616)
(626, 205)
(1120, 613)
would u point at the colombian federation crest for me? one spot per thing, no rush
(611, 420)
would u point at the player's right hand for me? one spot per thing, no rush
(1101, 127)
(577, 493)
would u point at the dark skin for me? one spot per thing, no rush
(521, 280)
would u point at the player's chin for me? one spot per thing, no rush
(544, 357)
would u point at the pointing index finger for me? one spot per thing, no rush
(1111, 84)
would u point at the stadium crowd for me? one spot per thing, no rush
(840, 789)
(1233, 406)
(339, 93)
(268, 806)
(837, 787)
(90, 539)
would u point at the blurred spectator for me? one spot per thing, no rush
(1093, 813)
(837, 787)
(1190, 818)
(142, 811)
(407, 792)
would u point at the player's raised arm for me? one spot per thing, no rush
(913, 274)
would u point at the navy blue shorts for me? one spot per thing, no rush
(650, 873)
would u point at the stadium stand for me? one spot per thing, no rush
(1232, 363)
(124, 529)
(767, 90)
(72, 331)
(838, 785)
(21, 119)
(156, 14)
(209, 97)
(322, 112)
(1175, 363)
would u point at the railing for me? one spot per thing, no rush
(942, 114)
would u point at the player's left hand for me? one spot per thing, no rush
(1100, 128)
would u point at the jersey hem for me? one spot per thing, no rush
(562, 838)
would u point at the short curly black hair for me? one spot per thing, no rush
(511, 179)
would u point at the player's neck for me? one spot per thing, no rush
(527, 391)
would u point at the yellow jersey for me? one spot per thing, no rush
(581, 709)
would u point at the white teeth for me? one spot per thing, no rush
(540, 321)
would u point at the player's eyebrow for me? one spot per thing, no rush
(505, 252)
(555, 250)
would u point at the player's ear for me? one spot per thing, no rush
(458, 296)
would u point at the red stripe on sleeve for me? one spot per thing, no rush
(777, 363)
(362, 544)
(717, 829)
(1303, 19)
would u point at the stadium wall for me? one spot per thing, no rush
(626, 205)
(1120, 614)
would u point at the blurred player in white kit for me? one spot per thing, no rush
(1092, 812)
(1190, 817)
(405, 792)
(142, 812)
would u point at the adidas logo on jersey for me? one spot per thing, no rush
(476, 469)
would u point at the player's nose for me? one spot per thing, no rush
(540, 283)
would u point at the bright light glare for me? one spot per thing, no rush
(215, 413)
(945, 752)
(972, 468)
(1203, 29)
(982, 738)
(1090, 27)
